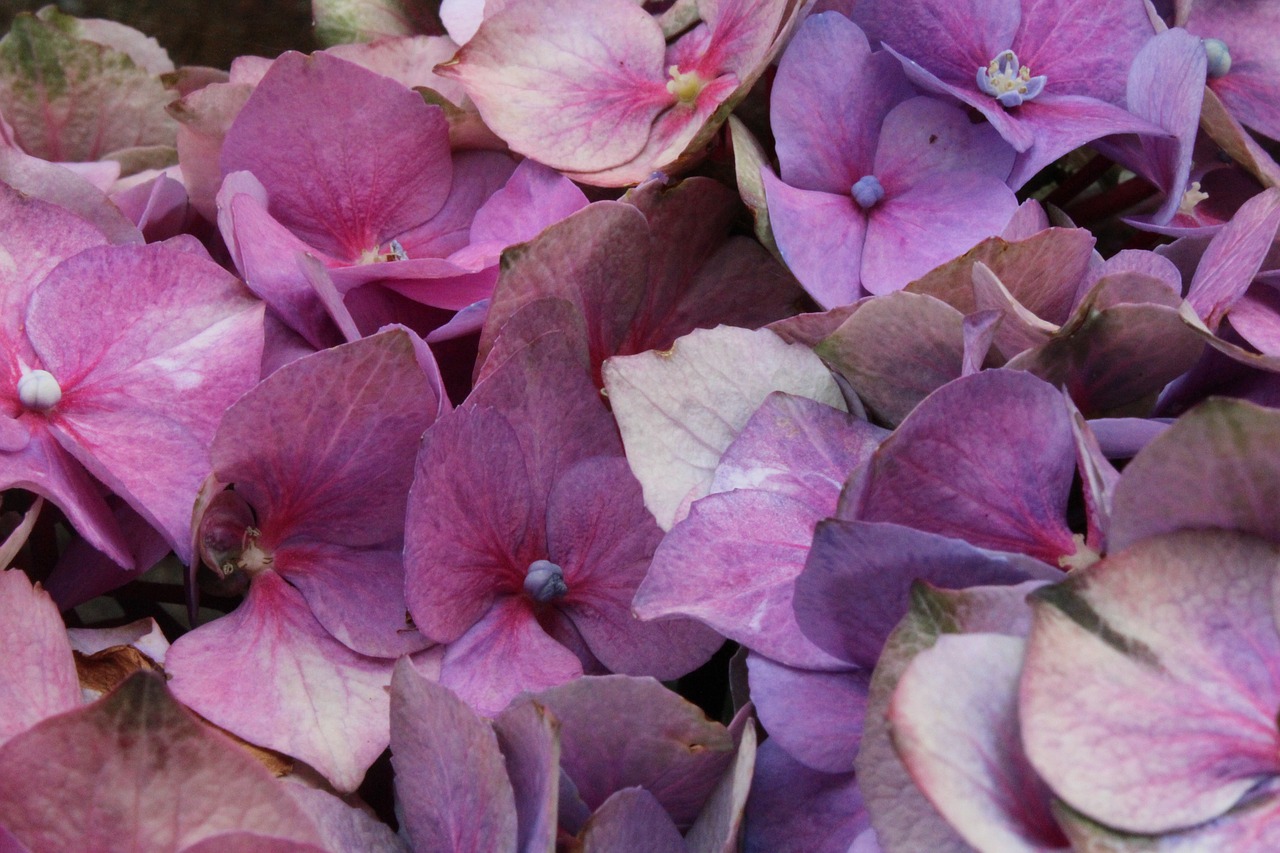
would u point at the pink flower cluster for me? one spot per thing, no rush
(689, 426)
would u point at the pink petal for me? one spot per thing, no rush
(37, 674)
(574, 86)
(503, 655)
(954, 717)
(362, 159)
(149, 341)
(271, 674)
(1141, 636)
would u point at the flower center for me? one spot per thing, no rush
(1008, 82)
(685, 86)
(545, 581)
(867, 192)
(39, 390)
(252, 559)
(393, 252)
(1219, 57)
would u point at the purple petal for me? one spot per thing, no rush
(619, 732)
(599, 532)
(631, 819)
(815, 716)
(795, 809)
(797, 447)
(988, 459)
(820, 236)
(924, 139)
(856, 584)
(1166, 87)
(930, 223)
(829, 98)
(529, 737)
(953, 38)
(1061, 123)
(1234, 257)
(732, 564)
(451, 781)
(503, 655)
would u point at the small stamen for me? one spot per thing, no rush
(39, 390)
(1008, 82)
(867, 192)
(1219, 58)
(1193, 196)
(685, 86)
(545, 581)
(252, 558)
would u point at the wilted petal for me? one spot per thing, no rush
(678, 410)
(718, 828)
(137, 771)
(896, 350)
(954, 719)
(1142, 636)
(618, 732)
(1215, 467)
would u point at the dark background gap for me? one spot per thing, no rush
(197, 32)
